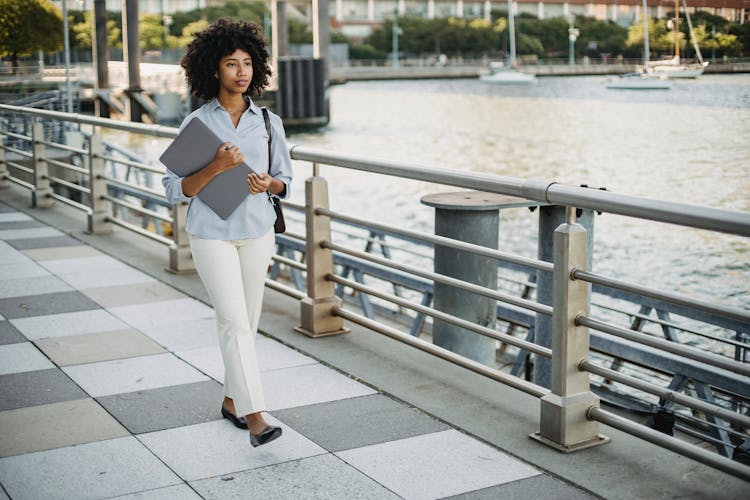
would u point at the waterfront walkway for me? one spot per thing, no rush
(110, 385)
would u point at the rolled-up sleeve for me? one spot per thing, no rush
(173, 187)
(281, 163)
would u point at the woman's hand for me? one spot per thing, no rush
(227, 156)
(258, 183)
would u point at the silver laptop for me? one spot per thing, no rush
(192, 150)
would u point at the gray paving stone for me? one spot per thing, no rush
(20, 270)
(9, 255)
(43, 242)
(44, 304)
(145, 316)
(109, 277)
(271, 355)
(214, 448)
(537, 487)
(30, 286)
(136, 293)
(36, 232)
(94, 347)
(23, 357)
(9, 334)
(436, 465)
(3, 496)
(19, 390)
(19, 224)
(97, 263)
(73, 323)
(133, 374)
(93, 470)
(167, 407)
(27, 430)
(8, 216)
(182, 335)
(356, 422)
(64, 252)
(306, 385)
(323, 477)
(180, 491)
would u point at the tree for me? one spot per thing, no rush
(660, 38)
(152, 34)
(27, 26)
(235, 9)
(82, 31)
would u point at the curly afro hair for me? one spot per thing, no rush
(218, 40)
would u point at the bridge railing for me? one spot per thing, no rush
(570, 411)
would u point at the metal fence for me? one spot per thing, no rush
(322, 268)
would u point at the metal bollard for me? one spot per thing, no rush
(101, 208)
(41, 196)
(472, 217)
(550, 217)
(564, 424)
(180, 258)
(316, 318)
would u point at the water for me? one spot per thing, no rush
(688, 144)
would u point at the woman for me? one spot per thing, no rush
(224, 65)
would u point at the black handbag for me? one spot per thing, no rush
(279, 226)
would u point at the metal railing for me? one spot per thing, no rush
(570, 411)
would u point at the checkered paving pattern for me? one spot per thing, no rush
(110, 386)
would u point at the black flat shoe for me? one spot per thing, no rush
(265, 436)
(237, 421)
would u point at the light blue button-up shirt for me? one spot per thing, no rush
(255, 215)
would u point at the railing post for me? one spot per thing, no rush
(564, 424)
(316, 317)
(99, 218)
(180, 258)
(550, 217)
(41, 196)
(4, 173)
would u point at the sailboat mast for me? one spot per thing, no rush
(512, 32)
(677, 29)
(645, 36)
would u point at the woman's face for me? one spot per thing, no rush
(235, 72)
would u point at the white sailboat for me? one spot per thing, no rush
(673, 68)
(640, 80)
(508, 75)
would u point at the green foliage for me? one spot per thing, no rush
(660, 38)
(365, 51)
(82, 30)
(742, 32)
(152, 35)
(27, 26)
(299, 31)
(235, 9)
(189, 31)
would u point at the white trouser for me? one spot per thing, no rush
(234, 273)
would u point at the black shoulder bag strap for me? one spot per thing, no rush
(279, 226)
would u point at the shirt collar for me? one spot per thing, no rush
(253, 107)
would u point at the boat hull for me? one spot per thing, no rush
(508, 77)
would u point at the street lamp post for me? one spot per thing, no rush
(66, 38)
(395, 32)
(573, 34)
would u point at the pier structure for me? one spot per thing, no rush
(482, 402)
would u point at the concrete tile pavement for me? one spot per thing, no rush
(102, 398)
